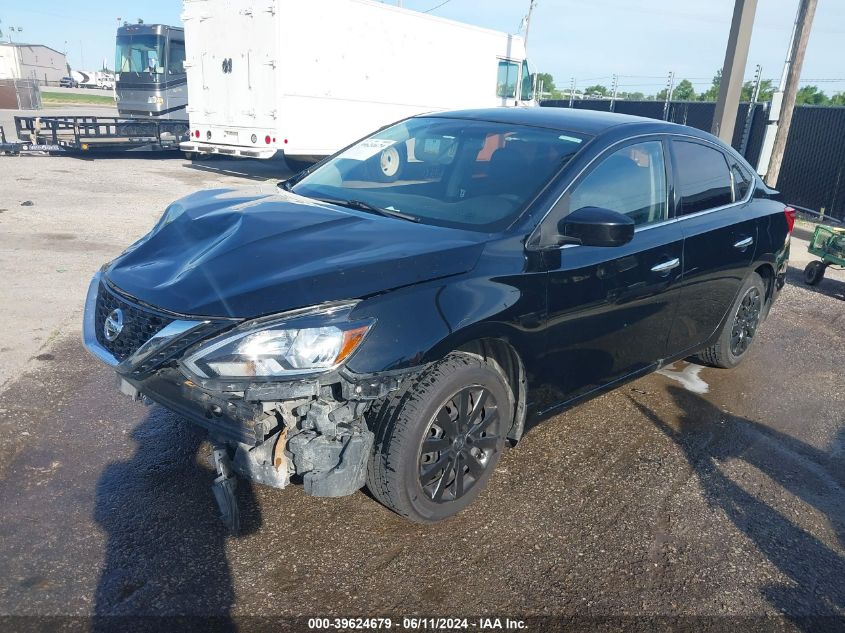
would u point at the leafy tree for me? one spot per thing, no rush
(635, 96)
(811, 95)
(547, 81)
(598, 89)
(712, 93)
(838, 99)
(683, 91)
(766, 91)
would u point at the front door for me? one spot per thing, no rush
(610, 309)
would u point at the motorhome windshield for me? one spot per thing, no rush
(140, 54)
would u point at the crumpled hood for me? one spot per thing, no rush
(260, 250)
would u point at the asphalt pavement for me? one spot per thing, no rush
(708, 496)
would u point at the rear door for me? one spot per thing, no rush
(720, 239)
(610, 309)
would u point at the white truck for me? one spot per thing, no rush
(308, 77)
(93, 79)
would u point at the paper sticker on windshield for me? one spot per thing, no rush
(367, 149)
(571, 139)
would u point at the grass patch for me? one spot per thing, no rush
(65, 98)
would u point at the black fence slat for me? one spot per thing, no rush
(813, 170)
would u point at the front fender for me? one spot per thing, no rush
(423, 323)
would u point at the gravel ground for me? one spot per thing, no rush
(62, 218)
(695, 492)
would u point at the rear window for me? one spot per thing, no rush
(703, 178)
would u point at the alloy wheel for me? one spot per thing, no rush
(746, 321)
(458, 444)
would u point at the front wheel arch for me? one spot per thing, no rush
(509, 363)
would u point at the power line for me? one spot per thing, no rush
(437, 7)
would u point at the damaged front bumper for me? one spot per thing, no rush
(313, 428)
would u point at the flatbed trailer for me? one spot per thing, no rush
(92, 134)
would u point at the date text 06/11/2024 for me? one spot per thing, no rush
(417, 624)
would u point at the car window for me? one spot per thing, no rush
(476, 175)
(742, 182)
(176, 58)
(631, 181)
(703, 181)
(506, 80)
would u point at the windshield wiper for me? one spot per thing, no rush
(360, 205)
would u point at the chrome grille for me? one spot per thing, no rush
(139, 325)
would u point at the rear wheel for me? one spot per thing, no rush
(438, 441)
(740, 328)
(814, 273)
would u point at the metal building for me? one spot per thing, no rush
(45, 65)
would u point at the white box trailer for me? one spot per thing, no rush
(309, 77)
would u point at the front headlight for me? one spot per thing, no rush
(314, 342)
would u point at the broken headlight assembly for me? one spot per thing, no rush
(296, 344)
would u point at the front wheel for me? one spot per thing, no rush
(740, 328)
(814, 273)
(438, 441)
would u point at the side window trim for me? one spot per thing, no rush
(729, 159)
(678, 138)
(535, 237)
(596, 163)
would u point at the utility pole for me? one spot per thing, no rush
(803, 25)
(614, 91)
(528, 22)
(571, 92)
(736, 56)
(670, 87)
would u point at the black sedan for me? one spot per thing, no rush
(391, 316)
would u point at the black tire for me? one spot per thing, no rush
(738, 332)
(814, 273)
(412, 418)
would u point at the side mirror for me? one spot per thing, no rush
(593, 226)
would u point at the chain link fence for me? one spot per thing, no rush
(20, 94)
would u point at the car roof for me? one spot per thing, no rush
(591, 122)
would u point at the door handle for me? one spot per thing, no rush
(744, 243)
(666, 266)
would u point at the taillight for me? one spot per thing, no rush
(267, 140)
(790, 214)
(197, 133)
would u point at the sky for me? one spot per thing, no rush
(590, 40)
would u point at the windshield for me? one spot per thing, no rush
(140, 54)
(475, 175)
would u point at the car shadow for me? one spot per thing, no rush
(165, 551)
(814, 597)
(273, 169)
(828, 286)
